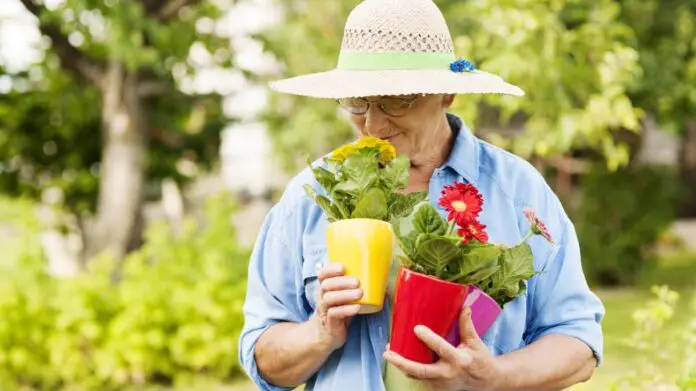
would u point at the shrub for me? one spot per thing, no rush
(171, 313)
(621, 216)
(647, 340)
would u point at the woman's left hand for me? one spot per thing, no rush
(469, 366)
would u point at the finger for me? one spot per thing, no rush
(467, 331)
(441, 347)
(339, 283)
(336, 298)
(330, 270)
(343, 311)
(414, 369)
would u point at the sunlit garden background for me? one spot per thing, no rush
(140, 150)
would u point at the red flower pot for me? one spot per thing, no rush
(420, 299)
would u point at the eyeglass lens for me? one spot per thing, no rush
(390, 105)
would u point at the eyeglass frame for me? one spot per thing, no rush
(381, 107)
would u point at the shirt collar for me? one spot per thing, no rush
(463, 158)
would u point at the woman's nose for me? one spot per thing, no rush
(375, 120)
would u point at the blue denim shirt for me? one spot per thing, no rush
(282, 282)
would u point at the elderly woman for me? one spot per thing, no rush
(397, 76)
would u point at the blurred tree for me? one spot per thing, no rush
(570, 56)
(665, 35)
(572, 59)
(104, 118)
(305, 41)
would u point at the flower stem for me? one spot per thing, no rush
(450, 229)
(529, 235)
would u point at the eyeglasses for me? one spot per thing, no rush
(393, 106)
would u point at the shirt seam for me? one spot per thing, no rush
(514, 201)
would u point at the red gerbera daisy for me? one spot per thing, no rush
(473, 230)
(462, 201)
(538, 226)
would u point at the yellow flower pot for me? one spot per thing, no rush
(364, 247)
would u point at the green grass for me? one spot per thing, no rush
(676, 271)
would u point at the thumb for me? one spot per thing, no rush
(467, 332)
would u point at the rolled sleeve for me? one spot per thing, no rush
(272, 292)
(563, 302)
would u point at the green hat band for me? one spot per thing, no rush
(352, 61)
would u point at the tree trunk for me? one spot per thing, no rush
(687, 163)
(122, 173)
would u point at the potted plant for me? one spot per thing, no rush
(448, 263)
(362, 187)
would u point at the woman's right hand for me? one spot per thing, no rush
(334, 310)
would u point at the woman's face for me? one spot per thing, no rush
(411, 134)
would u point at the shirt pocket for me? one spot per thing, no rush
(315, 257)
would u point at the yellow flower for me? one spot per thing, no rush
(340, 154)
(387, 153)
(386, 150)
(369, 142)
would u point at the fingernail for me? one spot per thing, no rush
(467, 311)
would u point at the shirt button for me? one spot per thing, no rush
(319, 265)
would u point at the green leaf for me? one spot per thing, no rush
(412, 265)
(523, 287)
(406, 261)
(479, 262)
(349, 187)
(516, 267)
(395, 174)
(372, 206)
(342, 209)
(361, 168)
(479, 275)
(325, 178)
(519, 262)
(408, 243)
(324, 203)
(436, 253)
(511, 290)
(475, 257)
(426, 220)
(498, 278)
(401, 205)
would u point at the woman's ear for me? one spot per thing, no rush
(447, 101)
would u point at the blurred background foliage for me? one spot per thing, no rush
(170, 315)
(96, 133)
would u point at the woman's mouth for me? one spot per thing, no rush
(388, 138)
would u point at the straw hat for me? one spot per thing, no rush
(396, 47)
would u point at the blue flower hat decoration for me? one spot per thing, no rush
(460, 66)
